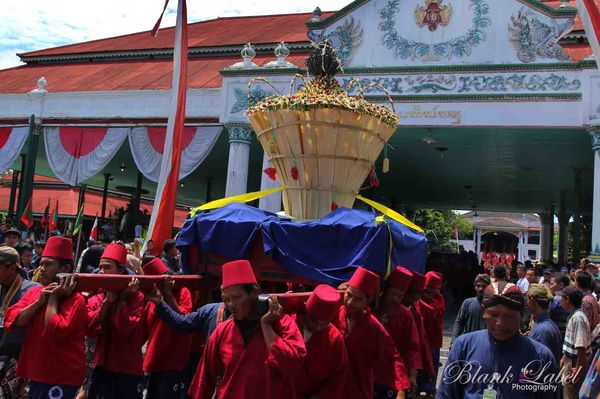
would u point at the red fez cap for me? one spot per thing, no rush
(58, 247)
(418, 282)
(365, 280)
(155, 267)
(400, 278)
(324, 303)
(116, 252)
(237, 272)
(433, 280)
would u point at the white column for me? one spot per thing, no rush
(521, 248)
(240, 137)
(595, 133)
(478, 250)
(271, 202)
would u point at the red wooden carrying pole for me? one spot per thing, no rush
(292, 302)
(94, 282)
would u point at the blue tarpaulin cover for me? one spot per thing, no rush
(326, 250)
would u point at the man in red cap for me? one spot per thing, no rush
(323, 373)
(420, 311)
(117, 321)
(434, 325)
(167, 351)
(368, 343)
(399, 323)
(249, 356)
(54, 318)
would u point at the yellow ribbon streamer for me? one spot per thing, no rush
(392, 214)
(236, 198)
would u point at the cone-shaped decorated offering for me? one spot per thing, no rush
(321, 141)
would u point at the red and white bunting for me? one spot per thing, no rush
(12, 140)
(163, 212)
(147, 147)
(78, 153)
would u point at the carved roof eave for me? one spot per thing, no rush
(407, 70)
(564, 12)
(194, 52)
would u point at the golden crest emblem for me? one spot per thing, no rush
(433, 14)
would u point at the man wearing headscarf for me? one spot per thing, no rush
(508, 364)
(470, 315)
(544, 330)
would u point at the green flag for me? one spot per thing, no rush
(79, 221)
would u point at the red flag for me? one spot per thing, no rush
(26, 217)
(53, 224)
(589, 12)
(44, 220)
(94, 232)
(163, 212)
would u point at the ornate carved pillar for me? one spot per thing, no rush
(240, 137)
(595, 248)
(270, 202)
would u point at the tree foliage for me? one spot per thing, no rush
(439, 228)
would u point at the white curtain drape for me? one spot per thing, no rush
(13, 138)
(148, 157)
(76, 154)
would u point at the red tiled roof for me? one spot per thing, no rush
(123, 75)
(216, 32)
(156, 74)
(578, 51)
(572, 3)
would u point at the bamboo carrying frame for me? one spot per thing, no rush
(333, 150)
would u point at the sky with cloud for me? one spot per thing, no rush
(29, 25)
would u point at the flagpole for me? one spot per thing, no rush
(47, 221)
(77, 247)
(163, 211)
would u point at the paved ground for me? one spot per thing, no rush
(448, 325)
